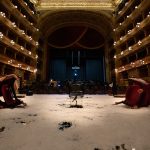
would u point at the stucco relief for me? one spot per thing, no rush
(76, 4)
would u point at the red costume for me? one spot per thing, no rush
(7, 90)
(137, 94)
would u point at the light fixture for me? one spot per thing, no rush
(28, 68)
(132, 64)
(115, 43)
(14, 25)
(126, 3)
(12, 42)
(129, 31)
(138, 24)
(130, 48)
(29, 53)
(22, 31)
(2, 14)
(36, 56)
(115, 56)
(35, 70)
(141, 61)
(139, 42)
(136, 7)
(10, 61)
(36, 43)
(122, 53)
(30, 38)
(15, 6)
(22, 48)
(19, 65)
(1, 35)
(121, 38)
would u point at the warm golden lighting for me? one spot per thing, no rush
(1, 35)
(76, 5)
(2, 14)
(35, 70)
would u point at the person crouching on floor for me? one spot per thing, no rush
(8, 88)
(137, 93)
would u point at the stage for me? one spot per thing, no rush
(48, 123)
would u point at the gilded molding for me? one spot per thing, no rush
(75, 5)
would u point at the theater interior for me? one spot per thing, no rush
(74, 60)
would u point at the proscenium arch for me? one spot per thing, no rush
(48, 21)
(51, 21)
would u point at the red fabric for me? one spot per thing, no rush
(145, 100)
(132, 95)
(5, 90)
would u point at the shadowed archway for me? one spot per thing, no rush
(75, 34)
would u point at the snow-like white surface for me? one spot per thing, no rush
(99, 124)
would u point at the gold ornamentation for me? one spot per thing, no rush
(76, 5)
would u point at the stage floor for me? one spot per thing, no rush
(99, 125)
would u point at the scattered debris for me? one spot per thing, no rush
(88, 118)
(2, 129)
(53, 110)
(22, 122)
(32, 115)
(25, 122)
(76, 106)
(117, 147)
(61, 104)
(63, 125)
(97, 149)
(88, 97)
(74, 138)
(100, 107)
(123, 146)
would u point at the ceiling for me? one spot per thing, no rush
(76, 4)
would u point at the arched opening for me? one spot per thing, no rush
(76, 53)
(76, 45)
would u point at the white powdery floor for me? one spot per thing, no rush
(99, 125)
